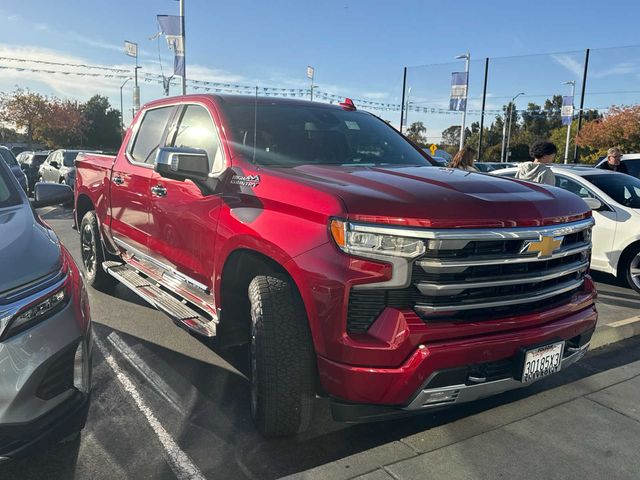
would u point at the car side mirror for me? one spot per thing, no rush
(593, 203)
(182, 163)
(47, 194)
(54, 164)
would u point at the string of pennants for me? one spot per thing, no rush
(225, 87)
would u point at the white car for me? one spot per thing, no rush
(616, 210)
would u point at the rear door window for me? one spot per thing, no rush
(149, 135)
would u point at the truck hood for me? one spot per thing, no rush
(28, 249)
(441, 197)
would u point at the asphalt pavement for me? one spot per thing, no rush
(165, 405)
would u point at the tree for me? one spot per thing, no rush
(64, 124)
(451, 135)
(416, 133)
(619, 128)
(24, 109)
(103, 130)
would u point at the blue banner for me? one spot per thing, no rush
(171, 28)
(458, 101)
(567, 110)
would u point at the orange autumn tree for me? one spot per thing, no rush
(619, 128)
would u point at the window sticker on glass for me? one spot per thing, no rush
(352, 125)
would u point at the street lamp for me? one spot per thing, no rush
(573, 91)
(121, 107)
(505, 136)
(467, 58)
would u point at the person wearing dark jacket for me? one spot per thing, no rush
(613, 161)
(537, 171)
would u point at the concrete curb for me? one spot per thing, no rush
(616, 331)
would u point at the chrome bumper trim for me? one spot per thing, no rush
(469, 393)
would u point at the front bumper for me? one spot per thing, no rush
(68, 418)
(404, 387)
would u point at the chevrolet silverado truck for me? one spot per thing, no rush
(351, 266)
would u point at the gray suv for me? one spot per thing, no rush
(45, 325)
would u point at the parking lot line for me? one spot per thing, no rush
(178, 460)
(159, 385)
(626, 321)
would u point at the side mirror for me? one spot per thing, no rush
(182, 163)
(54, 164)
(593, 203)
(47, 194)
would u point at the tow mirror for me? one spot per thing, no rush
(182, 163)
(47, 194)
(593, 203)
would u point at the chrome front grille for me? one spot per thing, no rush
(486, 275)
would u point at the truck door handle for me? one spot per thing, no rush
(118, 180)
(159, 191)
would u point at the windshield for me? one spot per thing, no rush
(8, 157)
(9, 195)
(292, 135)
(69, 158)
(623, 188)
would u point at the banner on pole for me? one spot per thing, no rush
(567, 110)
(458, 100)
(310, 72)
(130, 48)
(171, 28)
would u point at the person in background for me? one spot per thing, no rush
(613, 161)
(537, 171)
(464, 160)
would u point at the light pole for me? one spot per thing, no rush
(136, 89)
(406, 111)
(467, 58)
(184, 49)
(566, 148)
(507, 137)
(121, 107)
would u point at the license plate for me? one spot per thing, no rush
(542, 361)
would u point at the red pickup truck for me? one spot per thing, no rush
(351, 266)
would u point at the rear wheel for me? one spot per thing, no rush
(632, 268)
(92, 254)
(282, 358)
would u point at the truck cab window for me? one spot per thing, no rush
(149, 136)
(196, 130)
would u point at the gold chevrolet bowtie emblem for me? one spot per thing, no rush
(544, 247)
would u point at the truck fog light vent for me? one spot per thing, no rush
(81, 369)
(441, 396)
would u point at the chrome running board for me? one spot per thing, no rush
(177, 308)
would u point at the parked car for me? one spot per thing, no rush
(320, 237)
(630, 160)
(30, 162)
(45, 334)
(487, 167)
(10, 160)
(616, 235)
(59, 167)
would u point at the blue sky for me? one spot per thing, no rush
(358, 47)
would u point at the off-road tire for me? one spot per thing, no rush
(282, 359)
(92, 253)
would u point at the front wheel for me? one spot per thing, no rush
(281, 356)
(92, 254)
(632, 268)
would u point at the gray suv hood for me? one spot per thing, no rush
(28, 249)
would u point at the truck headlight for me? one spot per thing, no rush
(352, 240)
